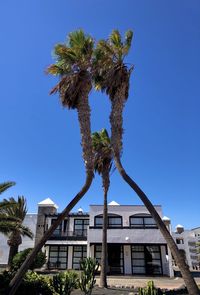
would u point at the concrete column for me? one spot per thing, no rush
(127, 260)
(70, 256)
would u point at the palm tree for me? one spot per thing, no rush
(5, 185)
(73, 66)
(112, 76)
(15, 210)
(7, 223)
(102, 165)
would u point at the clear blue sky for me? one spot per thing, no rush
(40, 142)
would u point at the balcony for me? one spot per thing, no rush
(80, 235)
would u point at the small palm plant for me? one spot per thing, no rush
(102, 165)
(15, 212)
(6, 222)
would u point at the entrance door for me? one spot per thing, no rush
(114, 259)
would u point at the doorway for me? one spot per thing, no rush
(115, 259)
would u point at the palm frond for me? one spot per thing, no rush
(115, 39)
(5, 185)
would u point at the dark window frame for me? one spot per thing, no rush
(110, 225)
(145, 262)
(143, 224)
(58, 255)
(82, 255)
(82, 231)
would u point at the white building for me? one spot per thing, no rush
(135, 245)
(186, 241)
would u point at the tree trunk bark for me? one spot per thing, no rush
(183, 267)
(12, 252)
(104, 256)
(14, 242)
(84, 111)
(15, 282)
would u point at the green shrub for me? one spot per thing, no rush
(35, 284)
(87, 280)
(65, 282)
(20, 257)
(32, 284)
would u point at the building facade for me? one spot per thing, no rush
(135, 245)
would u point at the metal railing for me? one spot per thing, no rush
(72, 234)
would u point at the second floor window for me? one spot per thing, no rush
(80, 227)
(57, 231)
(139, 221)
(113, 221)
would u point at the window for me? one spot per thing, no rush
(57, 231)
(145, 221)
(58, 257)
(79, 253)
(146, 259)
(179, 241)
(80, 227)
(113, 221)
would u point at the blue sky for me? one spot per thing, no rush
(40, 142)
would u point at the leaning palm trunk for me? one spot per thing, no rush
(184, 269)
(14, 284)
(116, 120)
(104, 256)
(84, 121)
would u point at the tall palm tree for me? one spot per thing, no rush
(112, 76)
(5, 185)
(15, 210)
(73, 66)
(102, 165)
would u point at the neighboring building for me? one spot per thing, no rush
(135, 244)
(186, 241)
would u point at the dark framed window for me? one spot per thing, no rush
(145, 221)
(65, 222)
(58, 257)
(113, 221)
(79, 253)
(146, 259)
(80, 227)
(57, 231)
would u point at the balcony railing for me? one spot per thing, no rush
(76, 234)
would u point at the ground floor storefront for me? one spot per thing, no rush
(133, 259)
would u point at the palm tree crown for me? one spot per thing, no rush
(73, 65)
(110, 69)
(102, 151)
